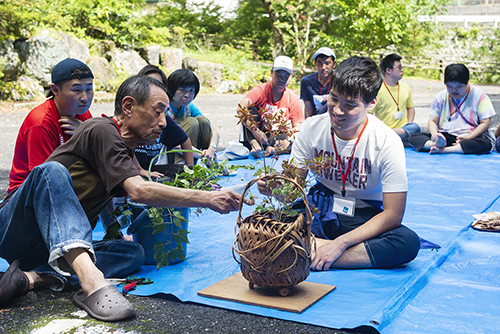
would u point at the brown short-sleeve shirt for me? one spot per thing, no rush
(98, 161)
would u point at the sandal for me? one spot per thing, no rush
(489, 222)
(106, 304)
(14, 283)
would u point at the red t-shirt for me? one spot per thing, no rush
(262, 97)
(39, 135)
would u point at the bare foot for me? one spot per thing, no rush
(435, 150)
(256, 154)
(440, 142)
(92, 285)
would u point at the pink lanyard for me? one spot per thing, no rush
(342, 175)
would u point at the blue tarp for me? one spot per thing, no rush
(453, 289)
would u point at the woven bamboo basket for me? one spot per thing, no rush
(273, 253)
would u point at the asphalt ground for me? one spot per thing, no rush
(45, 311)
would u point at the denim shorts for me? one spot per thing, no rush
(411, 128)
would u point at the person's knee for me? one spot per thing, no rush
(203, 122)
(411, 246)
(191, 126)
(397, 247)
(53, 168)
(411, 128)
(418, 140)
(204, 132)
(190, 122)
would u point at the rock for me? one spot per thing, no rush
(103, 48)
(77, 48)
(210, 74)
(126, 62)
(171, 59)
(9, 60)
(151, 54)
(228, 87)
(104, 74)
(24, 89)
(40, 54)
(190, 64)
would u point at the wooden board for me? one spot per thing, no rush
(235, 288)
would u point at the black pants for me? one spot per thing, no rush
(479, 145)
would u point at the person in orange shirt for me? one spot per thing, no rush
(273, 97)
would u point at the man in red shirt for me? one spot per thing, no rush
(53, 122)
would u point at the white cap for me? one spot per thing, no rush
(326, 51)
(283, 63)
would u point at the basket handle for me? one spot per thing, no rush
(271, 177)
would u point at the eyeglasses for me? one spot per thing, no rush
(400, 67)
(455, 86)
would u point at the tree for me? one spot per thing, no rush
(17, 18)
(196, 17)
(368, 25)
(257, 26)
(294, 21)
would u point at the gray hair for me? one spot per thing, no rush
(137, 87)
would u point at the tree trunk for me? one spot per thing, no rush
(279, 43)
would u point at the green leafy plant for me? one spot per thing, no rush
(161, 256)
(198, 177)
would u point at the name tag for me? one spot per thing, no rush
(447, 126)
(399, 115)
(344, 205)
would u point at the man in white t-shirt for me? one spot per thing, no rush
(459, 119)
(362, 196)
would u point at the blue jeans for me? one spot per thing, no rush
(43, 220)
(411, 128)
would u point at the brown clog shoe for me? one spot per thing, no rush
(13, 283)
(106, 304)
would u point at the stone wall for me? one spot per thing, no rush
(26, 64)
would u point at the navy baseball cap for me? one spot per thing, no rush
(65, 68)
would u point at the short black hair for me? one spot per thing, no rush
(456, 73)
(388, 62)
(182, 78)
(358, 77)
(151, 69)
(323, 55)
(137, 87)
